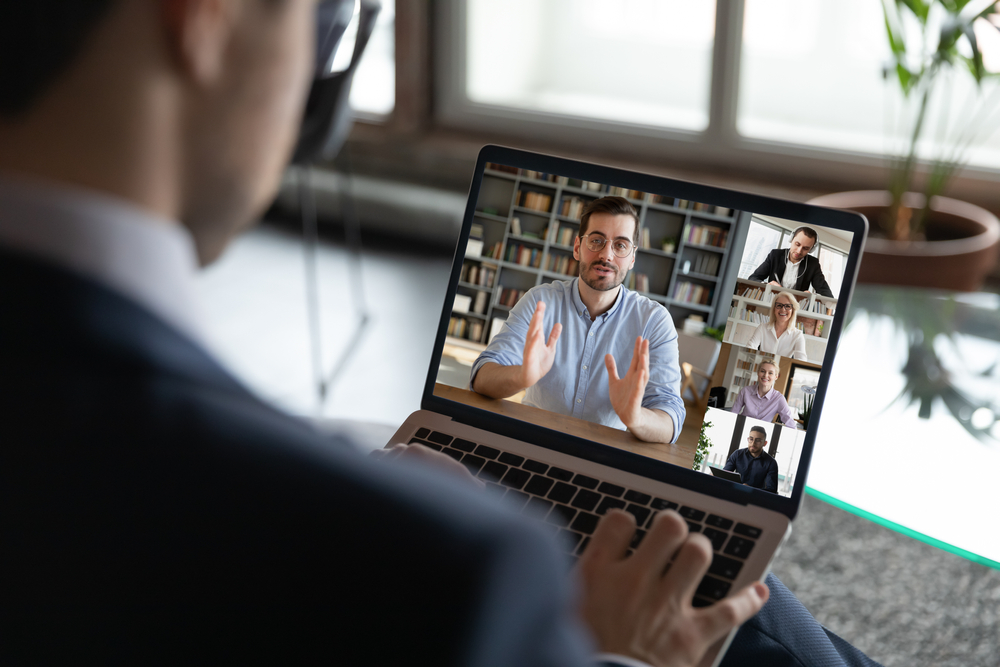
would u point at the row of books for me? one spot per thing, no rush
(460, 327)
(493, 252)
(572, 207)
(625, 192)
(817, 307)
(638, 282)
(510, 296)
(476, 274)
(689, 292)
(705, 263)
(757, 294)
(706, 235)
(536, 201)
(745, 315)
(523, 255)
(563, 264)
(564, 235)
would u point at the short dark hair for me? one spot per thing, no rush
(808, 231)
(759, 428)
(611, 206)
(38, 41)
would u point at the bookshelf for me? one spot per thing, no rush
(523, 233)
(751, 305)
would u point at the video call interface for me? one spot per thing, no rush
(736, 308)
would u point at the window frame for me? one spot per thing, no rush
(719, 144)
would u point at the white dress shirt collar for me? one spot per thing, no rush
(149, 259)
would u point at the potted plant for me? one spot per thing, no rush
(704, 446)
(919, 237)
(808, 398)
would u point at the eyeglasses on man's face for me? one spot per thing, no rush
(595, 243)
(782, 306)
(754, 440)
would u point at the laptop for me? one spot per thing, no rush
(701, 257)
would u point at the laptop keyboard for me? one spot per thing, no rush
(571, 504)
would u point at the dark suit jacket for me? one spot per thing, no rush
(773, 268)
(154, 511)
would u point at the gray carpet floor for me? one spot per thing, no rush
(901, 601)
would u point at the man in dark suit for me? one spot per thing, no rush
(153, 509)
(793, 267)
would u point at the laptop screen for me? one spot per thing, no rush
(687, 325)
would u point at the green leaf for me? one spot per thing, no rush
(976, 62)
(906, 78)
(919, 8)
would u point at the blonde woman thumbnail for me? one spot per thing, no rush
(778, 335)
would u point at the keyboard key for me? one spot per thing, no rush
(661, 504)
(516, 499)
(562, 492)
(717, 521)
(539, 486)
(473, 462)
(609, 489)
(464, 445)
(585, 482)
(694, 527)
(637, 497)
(640, 513)
(511, 459)
(748, 531)
(583, 546)
(561, 515)
(535, 466)
(436, 447)
(440, 438)
(739, 547)
(585, 523)
(701, 602)
(422, 433)
(712, 588)
(515, 478)
(570, 539)
(494, 470)
(637, 538)
(610, 504)
(691, 513)
(487, 452)
(538, 506)
(454, 453)
(494, 489)
(716, 537)
(586, 500)
(560, 474)
(727, 568)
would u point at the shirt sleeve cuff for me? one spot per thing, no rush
(615, 659)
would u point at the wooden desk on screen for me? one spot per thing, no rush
(676, 454)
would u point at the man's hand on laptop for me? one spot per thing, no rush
(425, 455)
(640, 605)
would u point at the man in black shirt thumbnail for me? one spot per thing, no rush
(756, 467)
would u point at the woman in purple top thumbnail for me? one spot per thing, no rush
(762, 401)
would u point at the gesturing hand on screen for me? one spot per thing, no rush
(538, 354)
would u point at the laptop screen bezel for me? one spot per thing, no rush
(598, 453)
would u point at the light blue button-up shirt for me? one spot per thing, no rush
(577, 383)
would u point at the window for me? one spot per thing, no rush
(834, 265)
(795, 87)
(762, 238)
(373, 92)
(593, 58)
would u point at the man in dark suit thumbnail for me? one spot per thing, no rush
(155, 511)
(793, 267)
(756, 467)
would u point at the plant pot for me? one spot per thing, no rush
(960, 250)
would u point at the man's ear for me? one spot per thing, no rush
(198, 34)
(576, 248)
